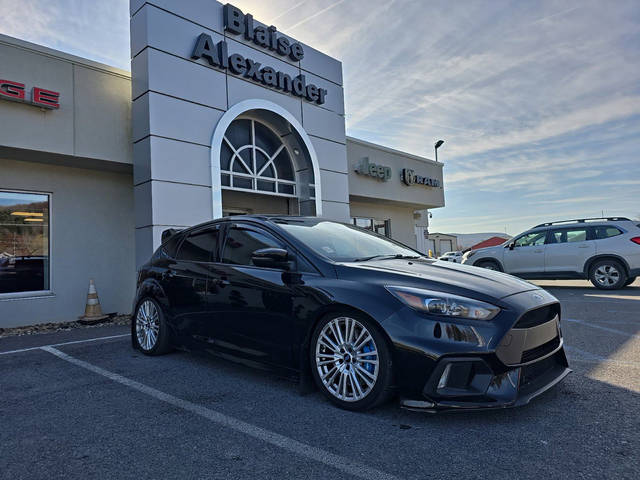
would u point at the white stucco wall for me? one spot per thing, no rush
(94, 118)
(92, 236)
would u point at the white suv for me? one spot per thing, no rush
(604, 250)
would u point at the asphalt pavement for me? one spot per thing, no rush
(86, 405)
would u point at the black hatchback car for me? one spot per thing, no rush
(366, 316)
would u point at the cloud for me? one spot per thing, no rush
(315, 15)
(538, 102)
(98, 30)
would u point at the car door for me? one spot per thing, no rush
(254, 304)
(186, 278)
(526, 253)
(568, 248)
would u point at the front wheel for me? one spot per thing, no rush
(607, 275)
(351, 362)
(150, 331)
(489, 265)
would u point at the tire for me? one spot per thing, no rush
(629, 281)
(337, 355)
(607, 274)
(149, 329)
(489, 265)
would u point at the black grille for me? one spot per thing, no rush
(541, 350)
(537, 370)
(538, 316)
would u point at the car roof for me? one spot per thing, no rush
(277, 219)
(587, 222)
(582, 221)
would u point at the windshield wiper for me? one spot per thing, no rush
(385, 257)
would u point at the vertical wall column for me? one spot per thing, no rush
(176, 105)
(178, 101)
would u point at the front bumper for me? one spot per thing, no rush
(474, 365)
(473, 384)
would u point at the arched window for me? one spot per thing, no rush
(253, 157)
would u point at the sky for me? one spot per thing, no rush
(538, 102)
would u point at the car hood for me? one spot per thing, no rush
(494, 249)
(440, 274)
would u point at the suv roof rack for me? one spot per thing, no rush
(584, 220)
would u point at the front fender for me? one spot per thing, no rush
(493, 259)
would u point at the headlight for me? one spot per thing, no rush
(445, 304)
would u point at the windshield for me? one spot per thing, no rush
(345, 243)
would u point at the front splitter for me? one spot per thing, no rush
(523, 398)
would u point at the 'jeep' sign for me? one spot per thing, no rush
(379, 172)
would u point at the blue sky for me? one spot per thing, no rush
(538, 102)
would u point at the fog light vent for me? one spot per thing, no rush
(459, 377)
(445, 376)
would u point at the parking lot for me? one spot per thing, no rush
(91, 407)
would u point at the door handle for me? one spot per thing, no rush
(583, 246)
(538, 251)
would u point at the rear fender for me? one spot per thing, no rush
(605, 256)
(150, 287)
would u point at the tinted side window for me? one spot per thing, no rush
(606, 232)
(531, 239)
(199, 246)
(569, 235)
(242, 242)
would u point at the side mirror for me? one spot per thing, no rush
(512, 245)
(271, 258)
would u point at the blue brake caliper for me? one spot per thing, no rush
(369, 367)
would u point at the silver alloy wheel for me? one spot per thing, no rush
(607, 275)
(147, 325)
(347, 359)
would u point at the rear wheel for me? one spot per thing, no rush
(607, 275)
(489, 265)
(351, 362)
(150, 331)
(629, 281)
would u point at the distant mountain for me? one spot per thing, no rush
(467, 240)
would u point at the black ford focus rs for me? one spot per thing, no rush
(365, 316)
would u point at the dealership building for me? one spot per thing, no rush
(220, 115)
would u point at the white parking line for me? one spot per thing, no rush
(588, 357)
(600, 327)
(65, 343)
(302, 449)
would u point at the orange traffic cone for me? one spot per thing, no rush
(93, 311)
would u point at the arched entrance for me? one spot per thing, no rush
(262, 158)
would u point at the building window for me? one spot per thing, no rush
(24, 242)
(253, 157)
(382, 227)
